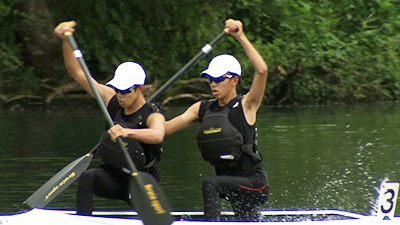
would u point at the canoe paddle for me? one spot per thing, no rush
(149, 200)
(65, 177)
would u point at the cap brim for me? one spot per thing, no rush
(120, 84)
(212, 72)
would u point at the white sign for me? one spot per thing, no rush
(387, 200)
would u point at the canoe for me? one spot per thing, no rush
(386, 206)
(299, 217)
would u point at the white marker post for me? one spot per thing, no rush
(387, 200)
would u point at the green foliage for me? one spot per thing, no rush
(10, 64)
(161, 35)
(317, 51)
(343, 50)
(18, 74)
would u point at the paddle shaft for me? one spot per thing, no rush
(79, 56)
(204, 51)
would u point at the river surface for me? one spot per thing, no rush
(331, 157)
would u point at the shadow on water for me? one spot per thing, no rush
(316, 157)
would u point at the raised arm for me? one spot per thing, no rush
(252, 100)
(72, 64)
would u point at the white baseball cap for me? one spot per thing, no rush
(222, 64)
(127, 75)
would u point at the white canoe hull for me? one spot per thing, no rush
(59, 217)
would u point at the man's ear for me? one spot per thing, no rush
(140, 89)
(236, 80)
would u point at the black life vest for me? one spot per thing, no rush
(143, 155)
(218, 139)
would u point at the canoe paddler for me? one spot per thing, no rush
(227, 137)
(138, 123)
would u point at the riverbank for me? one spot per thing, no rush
(182, 93)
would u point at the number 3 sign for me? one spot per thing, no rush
(387, 200)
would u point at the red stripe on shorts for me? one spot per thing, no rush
(253, 189)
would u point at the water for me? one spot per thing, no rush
(330, 157)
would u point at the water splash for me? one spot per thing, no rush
(375, 205)
(341, 182)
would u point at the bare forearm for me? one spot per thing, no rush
(183, 121)
(154, 134)
(70, 62)
(149, 136)
(176, 124)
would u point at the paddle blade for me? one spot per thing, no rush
(149, 200)
(59, 182)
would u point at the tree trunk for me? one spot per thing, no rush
(35, 26)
